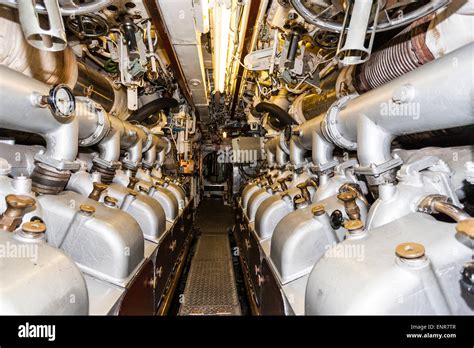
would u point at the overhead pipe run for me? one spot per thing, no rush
(113, 135)
(406, 105)
(49, 67)
(370, 122)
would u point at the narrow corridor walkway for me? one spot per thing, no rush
(210, 287)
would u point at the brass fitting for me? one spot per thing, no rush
(110, 201)
(34, 228)
(282, 182)
(87, 209)
(318, 210)
(17, 206)
(132, 182)
(466, 228)
(353, 226)
(349, 199)
(304, 191)
(97, 191)
(410, 250)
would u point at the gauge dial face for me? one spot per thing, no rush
(62, 101)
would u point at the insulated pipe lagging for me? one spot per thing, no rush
(435, 96)
(424, 40)
(20, 110)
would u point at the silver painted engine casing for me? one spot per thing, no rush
(273, 209)
(38, 279)
(301, 239)
(164, 197)
(378, 282)
(108, 244)
(146, 211)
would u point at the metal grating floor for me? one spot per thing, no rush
(210, 287)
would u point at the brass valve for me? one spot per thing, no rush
(282, 182)
(132, 182)
(299, 202)
(17, 206)
(304, 191)
(97, 191)
(349, 199)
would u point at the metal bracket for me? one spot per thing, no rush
(57, 164)
(376, 170)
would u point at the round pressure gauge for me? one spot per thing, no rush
(62, 101)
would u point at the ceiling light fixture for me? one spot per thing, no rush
(221, 30)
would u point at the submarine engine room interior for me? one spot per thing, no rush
(236, 157)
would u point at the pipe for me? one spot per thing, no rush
(309, 136)
(101, 89)
(160, 144)
(423, 41)
(112, 135)
(19, 95)
(50, 37)
(275, 154)
(76, 10)
(315, 19)
(152, 108)
(413, 103)
(439, 204)
(279, 116)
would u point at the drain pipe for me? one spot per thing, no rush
(22, 96)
